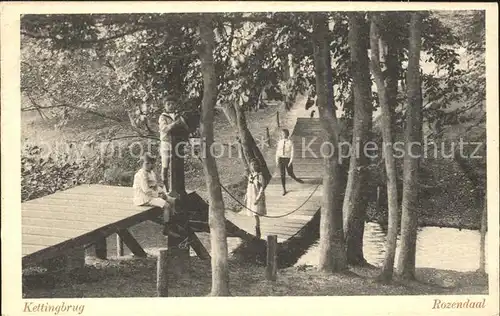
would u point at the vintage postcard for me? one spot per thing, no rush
(244, 158)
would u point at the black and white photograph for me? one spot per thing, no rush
(272, 153)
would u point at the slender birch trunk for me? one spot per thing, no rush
(390, 164)
(216, 218)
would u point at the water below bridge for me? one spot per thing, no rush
(439, 248)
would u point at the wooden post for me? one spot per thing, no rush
(268, 137)
(178, 255)
(101, 249)
(119, 246)
(89, 250)
(198, 247)
(178, 138)
(240, 150)
(377, 204)
(162, 273)
(272, 258)
(132, 243)
(278, 118)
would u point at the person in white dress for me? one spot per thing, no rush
(255, 195)
(147, 192)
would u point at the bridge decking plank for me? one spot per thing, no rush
(54, 224)
(69, 215)
(114, 212)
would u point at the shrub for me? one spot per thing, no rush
(41, 175)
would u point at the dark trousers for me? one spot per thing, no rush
(283, 165)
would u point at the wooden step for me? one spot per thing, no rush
(309, 174)
(306, 213)
(292, 204)
(267, 225)
(298, 191)
(300, 217)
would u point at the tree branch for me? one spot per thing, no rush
(133, 136)
(150, 131)
(481, 120)
(270, 21)
(230, 45)
(82, 41)
(63, 105)
(36, 105)
(465, 109)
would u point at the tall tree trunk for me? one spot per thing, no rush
(332, 256)
(355, 202)
(482, 241)
(391, 82)
(391, 79)
(216, 219)
(249, 146)
(413, 135)
(236, 117)
(390, 164)
(230, 113)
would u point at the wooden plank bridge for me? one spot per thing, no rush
(304, 198)
(59, 224)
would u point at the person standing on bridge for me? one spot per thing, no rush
(255, 196)
(168, 120)
(284, 158)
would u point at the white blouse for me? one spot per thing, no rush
(145, 187)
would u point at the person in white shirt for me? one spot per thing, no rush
(284, 158)
(168, 120)
(147, 192)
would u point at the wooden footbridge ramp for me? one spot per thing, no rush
(64, 223)
(296, 213)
